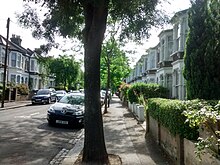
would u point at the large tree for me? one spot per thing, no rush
(118, 62)
(64, 68)
(212, 53)
(87, 20)
(114, 67)
(202, 51)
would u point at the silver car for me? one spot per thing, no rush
(60, 94)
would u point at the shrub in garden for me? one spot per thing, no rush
(146, 91)
(170, 114)
(124, 90)
(205, 114)
(23, 89)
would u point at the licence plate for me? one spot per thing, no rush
(61, 122)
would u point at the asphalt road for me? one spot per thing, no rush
(26, 138)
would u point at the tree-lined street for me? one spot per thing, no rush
(184, 65)
(26, 137)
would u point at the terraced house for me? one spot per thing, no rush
(163, 64)
(22, 65)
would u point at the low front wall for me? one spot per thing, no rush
(182, 151)
(22, 97)
(168, 142)
(190, 157)
(153, 129)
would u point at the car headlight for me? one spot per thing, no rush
(79, 113)
(51, 110)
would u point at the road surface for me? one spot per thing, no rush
(26, 138)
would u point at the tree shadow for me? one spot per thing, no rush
(32, 141)
(124, 135)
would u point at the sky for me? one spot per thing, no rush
(8, 8)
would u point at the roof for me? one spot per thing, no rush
(178, 14)
(165, 31)
(13, 46)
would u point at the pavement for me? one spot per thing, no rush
(15, 104)
(124, 136)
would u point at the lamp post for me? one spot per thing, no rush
(5, 64)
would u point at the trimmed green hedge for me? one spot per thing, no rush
(170, 114)
(147, 90)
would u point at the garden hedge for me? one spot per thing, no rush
(170, 114)
(147, 90)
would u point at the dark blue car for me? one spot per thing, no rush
(44, 96)
(69, 110)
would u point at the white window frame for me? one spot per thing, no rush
(32, 65)
(22, 62)
(13, 59)
(13, 78)
(2, 75)
(19, 58)
(18, 79)
(170, 44)
(26, 64)
(3, 56)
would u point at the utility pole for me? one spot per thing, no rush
(5, 64)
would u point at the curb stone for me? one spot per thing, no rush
(73, 154)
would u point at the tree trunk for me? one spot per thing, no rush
(107, 96)
(94, 151)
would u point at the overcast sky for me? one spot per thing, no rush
(9, 7)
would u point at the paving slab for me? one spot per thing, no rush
(125, 137)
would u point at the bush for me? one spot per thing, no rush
(124, 91)
(170, 114)
(205, 114)
(22, 89)
(147, 90)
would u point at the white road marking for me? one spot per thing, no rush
(37, 113)
(28, 116)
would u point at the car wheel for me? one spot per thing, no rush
(81, 125)
(50, 123)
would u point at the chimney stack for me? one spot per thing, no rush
(16, 39)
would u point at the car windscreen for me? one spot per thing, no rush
(73, 99)
(43, 92)
(60, 92)
(102, 93)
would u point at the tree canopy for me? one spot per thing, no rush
(67, 18)
(64, 68)
(119, 64)
(87, 20)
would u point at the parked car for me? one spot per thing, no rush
(102, 97)
(69, 110)
(44, 96)
(60, 94)
(74, 91)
